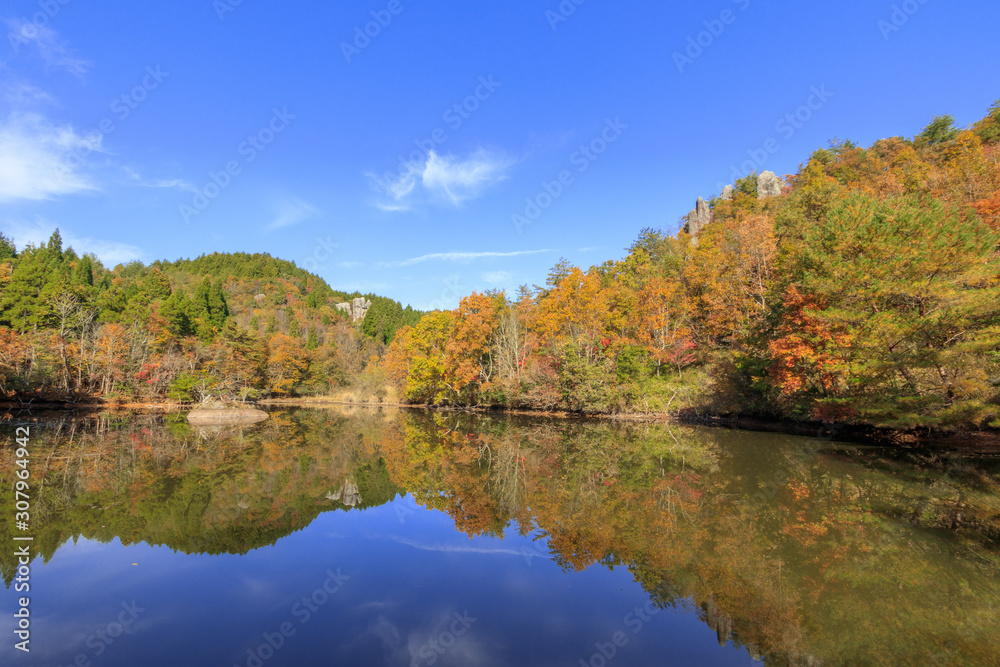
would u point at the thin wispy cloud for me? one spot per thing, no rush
(34, 160)
(20, 95)
(45, 42)
(442, 178)
(292, 212)
(461, 257)
(448, 548)
(136, 179)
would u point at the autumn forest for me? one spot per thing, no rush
(867, 292)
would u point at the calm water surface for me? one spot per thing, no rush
(383, 538)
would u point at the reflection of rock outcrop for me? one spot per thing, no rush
(718, 621)
(347, 494)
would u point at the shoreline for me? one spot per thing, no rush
(985, 441)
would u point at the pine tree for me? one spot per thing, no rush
(7, 249)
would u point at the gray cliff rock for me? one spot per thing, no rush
(768, 185)
(357, 309)
(728, 192)
(698, 218)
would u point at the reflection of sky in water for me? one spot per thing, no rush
(410, 582)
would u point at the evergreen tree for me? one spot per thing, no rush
(941, 129)
(22, 307)
(176, 311)
(155, 286)
(83, 274)
(54, 245)
(7, 249)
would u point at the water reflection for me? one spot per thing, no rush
(786, 550)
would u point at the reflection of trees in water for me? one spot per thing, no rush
(799, 550)
(790, 547)
(160, 481)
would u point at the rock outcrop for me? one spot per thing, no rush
(356, 309)
(698, 218)
(768, 185)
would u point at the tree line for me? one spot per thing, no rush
(868, 292)
(236, 326)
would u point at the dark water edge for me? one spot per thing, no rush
(778, 549)
(985, 441)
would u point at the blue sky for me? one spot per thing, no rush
(452, 148)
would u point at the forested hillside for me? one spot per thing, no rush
(221, 325)
(867, 291)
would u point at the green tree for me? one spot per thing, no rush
(22, 307)
(941, 129)
(176, 311)
(7, 248)
(916, 329)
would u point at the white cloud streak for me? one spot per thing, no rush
(461, 257)
(292, 213)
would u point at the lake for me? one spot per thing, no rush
(333, 537)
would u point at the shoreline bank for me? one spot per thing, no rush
(986, 441)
